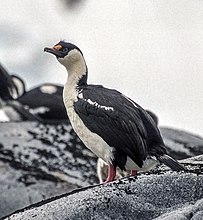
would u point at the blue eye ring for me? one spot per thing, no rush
(65, 49)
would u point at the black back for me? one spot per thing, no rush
(51, 102)
(6, 85)
(124, 125)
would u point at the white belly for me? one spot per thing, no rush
(148, 164)
(91, 140)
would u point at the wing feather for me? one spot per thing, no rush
(115, 119)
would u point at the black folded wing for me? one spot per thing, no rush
(115, 118)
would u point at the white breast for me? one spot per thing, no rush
(91, 140)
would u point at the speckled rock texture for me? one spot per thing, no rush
(49, 150)
(38, 161)
(162, 195)
(43, 161)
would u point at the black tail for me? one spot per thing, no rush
(170, 162)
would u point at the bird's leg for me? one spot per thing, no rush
(111, 174)
(133, 173)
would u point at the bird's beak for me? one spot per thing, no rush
(55, 51)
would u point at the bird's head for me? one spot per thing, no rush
(68, 54)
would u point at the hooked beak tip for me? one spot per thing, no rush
(47, 49)
(53, 51)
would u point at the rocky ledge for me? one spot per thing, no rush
(161, 194)
(38, 161)
(43, 161)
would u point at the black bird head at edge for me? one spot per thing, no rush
(61, 49)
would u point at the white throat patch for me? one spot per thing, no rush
(75, 65)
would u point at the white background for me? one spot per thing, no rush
(151, 50)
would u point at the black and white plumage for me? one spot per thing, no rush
(45, 102)
(102, 167)
(113, 126)
(11, 86)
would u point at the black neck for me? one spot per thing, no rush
(83, 80)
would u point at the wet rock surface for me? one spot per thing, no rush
(19, 188)
(161, 195)
(44, 161)
(49, 150)
(182, 144)
(38, 161)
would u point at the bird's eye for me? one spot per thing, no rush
(65, 50)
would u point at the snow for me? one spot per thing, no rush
(49, 89)
(39, 110)
(3, 116)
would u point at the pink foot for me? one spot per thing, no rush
(133, 173)
(111, 174)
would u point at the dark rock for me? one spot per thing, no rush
(19, 188)
(51, 149)
(181, 144)
(39, 161)
(167, 195)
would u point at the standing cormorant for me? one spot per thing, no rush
(111, 125)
